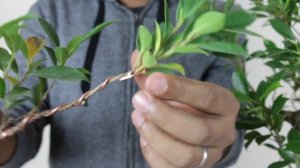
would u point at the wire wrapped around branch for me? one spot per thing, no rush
(7, 130)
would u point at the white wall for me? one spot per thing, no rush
(255, 157)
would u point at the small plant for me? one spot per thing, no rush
(190, 34)
(199, 29)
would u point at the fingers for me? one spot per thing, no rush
(174, 152)
(189, 128)
(153, 159)
(205, 96)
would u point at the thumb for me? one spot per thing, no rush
(140, 79)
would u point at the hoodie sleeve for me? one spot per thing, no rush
(28, 140)
(220, 73)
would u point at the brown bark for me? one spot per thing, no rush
(294, 119)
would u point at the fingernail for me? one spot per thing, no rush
(141, 101)
(143, 142)
(158, 84)
(137, 119)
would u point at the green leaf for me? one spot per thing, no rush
(279, 164)
(294, 146)
(286, 155)
(259, 140)
(14, 25)
(241, 97)
(75, 42)
(50, 31)
(61, 55)
(209, 22)
(145, 38)
(167, 16)
(159, 69)
(267, 89)
(278, 104)
(2, 88)
(189, 49)
(51, 54)
(174, 67)
(250, 136)
(15, 67)
(17, 93)
(282, 28)
(158, 38)
(239, 19)
(224, 47)
(37, 95)
(243, 31)
(293, 135)
(240, 82)
(12, 80)
(61, 73)
(251, 123)
(190, 8)
(148, 60)
(4, 58)
(84, 71)
(179, 13)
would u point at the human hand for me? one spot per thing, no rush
(176, 117)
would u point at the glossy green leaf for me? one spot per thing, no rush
(189, 49)
(76, 41)
(279, 164)
(270, 87)
(294, 146)
(15, 67)
(4, 58)
(293, 135)
(51, 54)
(14, 25)
(190, 8)
(50, 31)
(282, 29)
(209, 22)
(278, 104)
(224, 47)
(250, 137)
(260, 139)
(243, 31)
(61, 55)
(148, 60)
(144, 38)
(174, 67)
(2, 88)
(61, 73)
(239, 82)
(159, 69)
(167, 16)
(158, 38)
(287, 155)
(84, 71)
(179, 13)
(239, 19)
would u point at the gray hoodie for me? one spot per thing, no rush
(101, 134)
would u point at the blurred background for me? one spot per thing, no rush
(254, 157)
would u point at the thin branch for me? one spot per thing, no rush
(6, 130)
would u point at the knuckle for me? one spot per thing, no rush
(186, 159)
(201, 135)
(211, 97)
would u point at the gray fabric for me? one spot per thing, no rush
(101, 134)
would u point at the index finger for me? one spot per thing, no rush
(204, 96)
